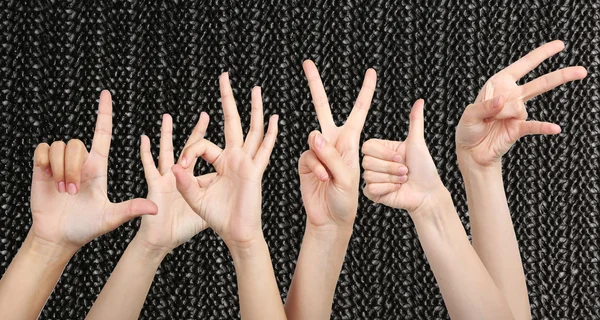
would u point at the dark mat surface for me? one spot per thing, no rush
(56, 56)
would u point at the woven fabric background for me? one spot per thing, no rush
(165, 56)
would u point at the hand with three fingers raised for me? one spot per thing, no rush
(125, 291)
(230, 202)
(175, 222)
(498, 117)
(402, 174)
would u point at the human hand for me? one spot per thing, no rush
(175, 222)
(498, 118)
(69, 203)
(231, 202)
(402, 174)
(330, 170)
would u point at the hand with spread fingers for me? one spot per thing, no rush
(329, 182)
(125, 291)
(70, 207)
(387, 164)
(487, 130)
(230, 201)
(498, 118)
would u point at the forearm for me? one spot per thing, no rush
(31, 277)
(317, 272)
(493, 235)
(257, 287)
(125, 291)
(468, 290)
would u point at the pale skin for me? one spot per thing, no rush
(329, 178)
(124, 294)
(70, 207)
(467, 288)
(231, 203)
(486, 131)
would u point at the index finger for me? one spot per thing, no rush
(103, 131)
(317, 91)
(357, 117)
(530, 61)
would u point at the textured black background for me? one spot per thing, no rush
(56, 56)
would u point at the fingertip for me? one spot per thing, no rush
(177, 169)
(105, 94)
(556, 129)
(72, 189)
(560, 45)
(224, 75)
(581, 72)
(307, 63)
(371, 73)
(256, 90)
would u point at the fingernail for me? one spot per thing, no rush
(403, 171)
(320, 141)
(496, 102)
(324, 176)
(183, 161)
(403, 179)
(48, 172)
(72, 189)
(397, 158)
(61, 187)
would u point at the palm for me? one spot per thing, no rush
(176, 222)
(230, 202)
(487, 140)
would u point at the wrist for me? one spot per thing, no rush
(329, 233)
(468, 164)
(47, 252)
(429, 207)
(247, 250)
(148, 251)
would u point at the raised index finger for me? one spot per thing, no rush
(530, 61)
(317, 91)
(357, 117)
(103, 131)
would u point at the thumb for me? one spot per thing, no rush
(416, 129)
(477, 112)
(188, 186)
(124, 211)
